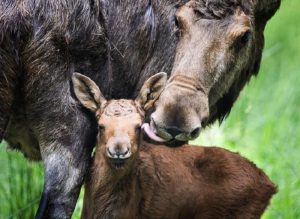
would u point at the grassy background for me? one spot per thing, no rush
(264, 126)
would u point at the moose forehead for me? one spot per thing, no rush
(119, 108)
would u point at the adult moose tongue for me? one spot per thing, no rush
(146, 128)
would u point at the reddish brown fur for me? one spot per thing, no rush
(131, 179)
(185, 182)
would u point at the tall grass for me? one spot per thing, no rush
(20, 187)
(264, 126)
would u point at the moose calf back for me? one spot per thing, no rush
(202, 182)
(185, 182)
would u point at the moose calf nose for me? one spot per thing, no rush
(118, 153)
(121, 152)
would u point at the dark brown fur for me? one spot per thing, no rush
(41, 44)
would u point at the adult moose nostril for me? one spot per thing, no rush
(195, 133)
(174, 131)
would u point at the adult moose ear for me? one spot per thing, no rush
(87, 92)
(151, 90)
(265, 9)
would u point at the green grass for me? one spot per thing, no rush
(20, 187)
(264, 126)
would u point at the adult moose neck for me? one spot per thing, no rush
(140, 45)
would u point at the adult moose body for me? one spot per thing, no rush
(116, 43)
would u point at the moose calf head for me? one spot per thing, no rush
(119, 121)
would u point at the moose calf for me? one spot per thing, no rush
(133, 179)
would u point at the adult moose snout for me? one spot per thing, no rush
(177, 118)
(181, 135)
(175, 131)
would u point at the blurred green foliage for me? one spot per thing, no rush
(264, 126)
(20, 187)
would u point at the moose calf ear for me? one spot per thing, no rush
(87, 92)
(151, 90)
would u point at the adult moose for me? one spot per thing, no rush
(115, 43)
(219, 49)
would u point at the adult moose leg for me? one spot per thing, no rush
(67, 37)
(65, 134)
(66, 150)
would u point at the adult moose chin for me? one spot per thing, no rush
(219, 49)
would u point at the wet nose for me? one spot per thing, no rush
(118, 153)
(195, 133)
(182, 135)
(174, 131)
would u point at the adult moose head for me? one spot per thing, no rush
(219, 49)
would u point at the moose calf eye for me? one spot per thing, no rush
(101, 128)
(138, 128)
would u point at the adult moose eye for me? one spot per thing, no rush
(246, 37)
(177, 30)
(178, 27)
(242, 40)
(176, 21)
